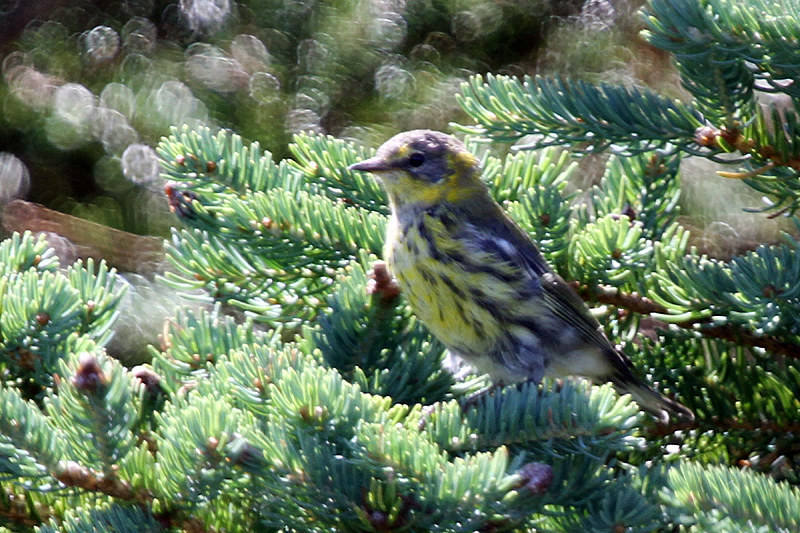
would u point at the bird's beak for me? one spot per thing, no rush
(373, 164)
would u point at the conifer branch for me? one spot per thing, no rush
(725, 424)
(644, 306)
(73, 474)
(15, 509)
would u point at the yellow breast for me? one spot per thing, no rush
(440, 293)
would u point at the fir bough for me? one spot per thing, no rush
(325, 408)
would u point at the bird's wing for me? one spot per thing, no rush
(565, 303)
(562, 301)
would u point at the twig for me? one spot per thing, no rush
(722, 425)
(643, 305)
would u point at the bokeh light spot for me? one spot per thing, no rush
(119, 97)
(31, 87)
(205, 16)
(298, 120)
(393, 82)
(100, 44)
(466, 26)
(312, 55)
(176, 104)
(139, 35)
(14, 177)
(388, 32)
(74, 103)
(113, 130)
(264, 87)
(140, 164)
(211, 67)
(251, 53)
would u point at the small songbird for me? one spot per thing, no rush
(478, 281)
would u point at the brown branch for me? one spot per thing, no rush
(73, 474)
(642, 305)
(83, 239)
(612, 296)
(742, 336)
(15, 508)
(722, 425)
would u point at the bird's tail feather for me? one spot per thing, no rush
(650, 400)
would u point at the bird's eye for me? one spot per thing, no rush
(416, 159)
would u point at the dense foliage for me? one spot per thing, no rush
(300, 393)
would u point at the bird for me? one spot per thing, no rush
(478, 281)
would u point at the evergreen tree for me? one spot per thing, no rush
(326, 408)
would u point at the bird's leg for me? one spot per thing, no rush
(471, 400)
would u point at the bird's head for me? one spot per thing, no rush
(424, 168)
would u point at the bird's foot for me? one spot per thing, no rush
(471, 400)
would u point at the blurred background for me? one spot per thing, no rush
(89, 87)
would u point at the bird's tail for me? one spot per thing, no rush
(650, 400)
(655, 403)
